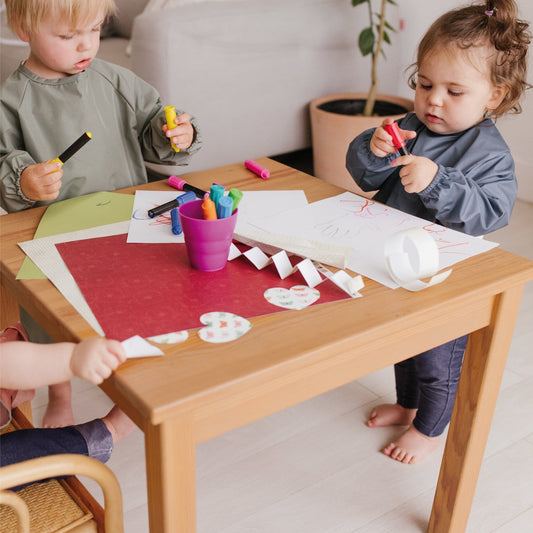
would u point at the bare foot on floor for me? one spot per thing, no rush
(58, 414)
(118, 424)
(390, 414)
(412, 447)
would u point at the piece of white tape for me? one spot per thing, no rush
(411, 256)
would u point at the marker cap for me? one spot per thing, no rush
(256, 168)
(176, 182)
(225, 207)
(394, 131)
(176, 224)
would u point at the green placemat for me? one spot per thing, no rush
(82, 212)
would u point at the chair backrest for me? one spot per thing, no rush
(62, 465)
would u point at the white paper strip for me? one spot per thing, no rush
(412, 255)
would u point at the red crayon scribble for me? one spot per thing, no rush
(443, 244)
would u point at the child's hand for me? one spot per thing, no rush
(95, 359)
(381, 143)
(417, 172)
(183, 134)
(41, 182)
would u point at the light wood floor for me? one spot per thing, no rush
(316, 467)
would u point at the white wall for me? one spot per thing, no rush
(417, 15)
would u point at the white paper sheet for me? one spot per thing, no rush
(138, 347)
(253, 205)
(45, 255)
(364, 226)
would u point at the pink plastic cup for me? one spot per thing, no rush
(207, 241)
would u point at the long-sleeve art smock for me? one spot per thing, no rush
(475, 187)
(40, 118)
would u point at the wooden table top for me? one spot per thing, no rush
(194, 374)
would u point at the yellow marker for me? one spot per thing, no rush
(170, 115)
(73, 148)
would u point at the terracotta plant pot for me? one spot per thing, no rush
(333, 131)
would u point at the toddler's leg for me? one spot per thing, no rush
(438, 373)
(118, 424)
(101, 434)
(59, 410)
(403, 412)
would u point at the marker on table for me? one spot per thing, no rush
(170, 115)
(180, 200)
(81, 141)
(397, 138)
(176, 224)
(262, 172)
(225, 207)
(236, 196)
(182, 185)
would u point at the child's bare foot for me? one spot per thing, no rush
(59, 410)
(412, 447)
(118, 424)
(390, 414)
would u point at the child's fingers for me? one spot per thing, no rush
(117, 350)
(51, 167)
(184, 118)
(402, 160)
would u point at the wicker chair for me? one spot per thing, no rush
(58, 505)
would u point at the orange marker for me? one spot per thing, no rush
(209, 209)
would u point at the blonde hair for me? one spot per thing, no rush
(27, 15)
(493, 24)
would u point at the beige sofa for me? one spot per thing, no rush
(247, 69)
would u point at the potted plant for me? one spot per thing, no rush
(337, 119)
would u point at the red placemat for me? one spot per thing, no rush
(151, 289)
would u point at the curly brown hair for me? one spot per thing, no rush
(493, 24)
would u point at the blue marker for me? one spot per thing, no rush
(216, 192)
(180, 200)
(225, 207)
(176, 224)
(189, 196)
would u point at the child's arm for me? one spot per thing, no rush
(476, 200)
(27, 365)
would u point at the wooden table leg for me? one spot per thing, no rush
(479, 385)
(9, 309)
(171, 476)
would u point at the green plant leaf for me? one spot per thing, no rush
(391, 2)
(355, 3)
(388, 26)
(366, 41)
(386, 37)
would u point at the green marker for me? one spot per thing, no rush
(236, 196)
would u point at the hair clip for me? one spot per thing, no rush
(489, 13)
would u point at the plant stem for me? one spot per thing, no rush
(372, 94)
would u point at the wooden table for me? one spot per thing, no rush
(201, 390)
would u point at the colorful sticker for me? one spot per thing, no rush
(297, 297)
(222, 327)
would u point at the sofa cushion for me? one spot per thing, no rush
(127, 10)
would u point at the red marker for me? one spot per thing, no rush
(397, 138)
